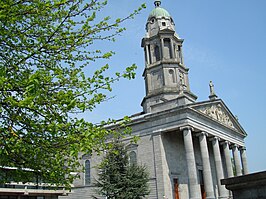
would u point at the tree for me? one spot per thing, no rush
(118, 179)
(45, 47)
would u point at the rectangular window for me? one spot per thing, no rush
(167, 49)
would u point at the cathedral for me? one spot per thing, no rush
(187, 146)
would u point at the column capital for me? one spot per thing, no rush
(157, 132)
(242, 148)
(232, 146)
(202, 134)
(225, 143)
(187, 127)
(215, 138)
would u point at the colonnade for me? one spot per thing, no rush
(240, 163)
(174, 51)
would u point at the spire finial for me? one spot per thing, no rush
(212, 96)
(157, 3)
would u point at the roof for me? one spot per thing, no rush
(158, 11)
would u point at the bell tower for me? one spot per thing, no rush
(165, 74)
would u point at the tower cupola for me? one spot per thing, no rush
(166, 76)
(159, 19)
(158, 11)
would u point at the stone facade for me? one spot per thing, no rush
(187, 146)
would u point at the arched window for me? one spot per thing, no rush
(172, 21)
(132, 158)
(172, 74)
(87, 172)
(152, 20)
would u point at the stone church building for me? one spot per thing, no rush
(187, 146)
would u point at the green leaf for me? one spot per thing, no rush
(49, 75)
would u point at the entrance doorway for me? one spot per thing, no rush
(202, 188)
(176, 191)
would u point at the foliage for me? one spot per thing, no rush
(45, 47)
(233, 166)
(120, 180)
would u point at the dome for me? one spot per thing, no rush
(158, 11)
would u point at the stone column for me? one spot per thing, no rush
(223, 193)
(162, 50)
(158, 164)
(172, 49)
(193, 186)
(228, 160)
(181, 56)
(147, 54)
(207, 176)
(244, 160)
(237, 160)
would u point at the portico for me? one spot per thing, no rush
(199, 149)
(211, 147)
(224, 152)
(217, 143)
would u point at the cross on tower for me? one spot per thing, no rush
(157, 3)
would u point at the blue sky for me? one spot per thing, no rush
(225, 41)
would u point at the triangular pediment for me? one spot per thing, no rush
(218, 112)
